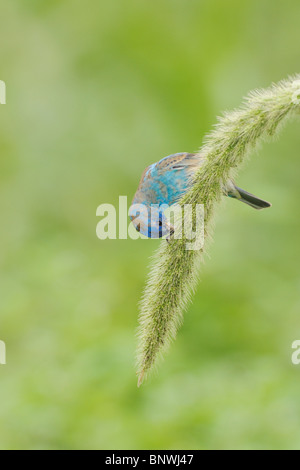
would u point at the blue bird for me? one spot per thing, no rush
(164, 183)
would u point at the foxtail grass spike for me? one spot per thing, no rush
(174, 270)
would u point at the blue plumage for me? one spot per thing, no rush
(164, 183)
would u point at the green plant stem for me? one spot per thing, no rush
(174, 270)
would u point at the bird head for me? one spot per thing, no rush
(150, 221)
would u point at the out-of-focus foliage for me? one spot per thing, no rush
(96, 91)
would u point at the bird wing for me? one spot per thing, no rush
(166, 181)
(179, 161)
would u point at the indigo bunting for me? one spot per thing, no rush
(164, 183)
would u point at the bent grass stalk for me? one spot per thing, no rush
(174, 269)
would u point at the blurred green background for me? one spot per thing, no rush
(96, 91)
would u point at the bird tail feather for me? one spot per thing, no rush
(252, 200)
